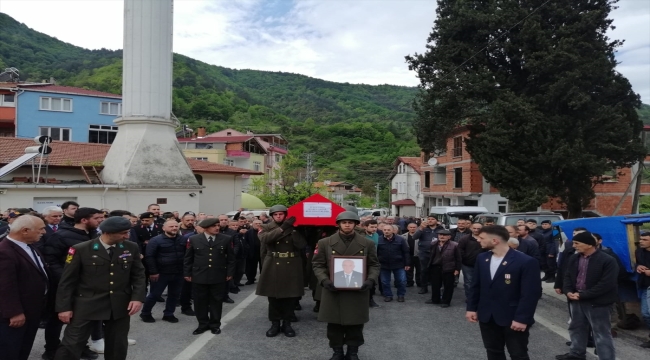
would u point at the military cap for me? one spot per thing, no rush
(147, 215)
(208, 222)
(444, 232)
(114, 225)
(20, 211)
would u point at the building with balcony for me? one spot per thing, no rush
(406, 191)
(7, 110)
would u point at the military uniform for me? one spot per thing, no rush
(208, 264)
(141, 235)
(95, 286)
(281, 279)
(345, 311)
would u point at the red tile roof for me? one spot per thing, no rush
(405, 202)
(67, 90)
(414, 162)
(218, 139)
(73, 154)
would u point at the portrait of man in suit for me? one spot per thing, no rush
(347, 277)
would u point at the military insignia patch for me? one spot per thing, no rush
(188, 244)
(71, 251)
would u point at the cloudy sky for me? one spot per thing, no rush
(356, 41)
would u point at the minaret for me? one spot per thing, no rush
(145, 153)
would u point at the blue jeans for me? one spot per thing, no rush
(645, 306)
(400, 281)
(582, 316)
(173, 283)
(468, 271)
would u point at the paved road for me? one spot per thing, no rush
(409, 331)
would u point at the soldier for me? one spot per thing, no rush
(281, 279)
(209, 263)
(103, 280)
(345, 311)
(145, 231)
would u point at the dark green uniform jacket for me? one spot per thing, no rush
(209, 264)
(345, 307)
(282, 267)
(93, 287)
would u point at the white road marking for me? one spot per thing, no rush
(560, 331)
(203, 340)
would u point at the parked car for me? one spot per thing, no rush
(256, 213)
(511, 218)
(449, 215)
(374, 213)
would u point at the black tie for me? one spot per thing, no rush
(38, 263)
(210, 240)
(110, 252)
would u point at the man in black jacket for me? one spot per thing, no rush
(444, 265)
(536, 233)
(164, 260)
(426, 235)
(414, 272)
(590, 284)
(69, 209)
(55, 251)
(551, 252)
(253, 261)
(470, 247)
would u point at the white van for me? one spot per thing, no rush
(449, 215)
(374, 213)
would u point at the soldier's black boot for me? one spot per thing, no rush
(353, 353)
(317, 306)
(338, 353)
(274, 330)
(287, 329)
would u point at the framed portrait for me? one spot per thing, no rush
(348, 272)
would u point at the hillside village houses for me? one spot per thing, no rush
(455, 180)
(81, 124)
(338, 191)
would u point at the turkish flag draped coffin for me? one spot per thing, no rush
(315, 210)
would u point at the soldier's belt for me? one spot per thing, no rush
(283, 254)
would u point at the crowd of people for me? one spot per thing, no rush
(93, 269)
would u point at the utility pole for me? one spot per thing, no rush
(310, 167)
(377, 195)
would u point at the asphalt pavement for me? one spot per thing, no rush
(411, 330)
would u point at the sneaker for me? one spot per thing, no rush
(170, 318)
(147, 318)
(96, 346)
(131, 342)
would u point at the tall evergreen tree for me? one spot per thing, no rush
(547, 111)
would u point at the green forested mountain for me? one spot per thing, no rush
(354, 131)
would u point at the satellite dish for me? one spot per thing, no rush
(432, 162)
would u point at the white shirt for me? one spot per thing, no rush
(494, 265)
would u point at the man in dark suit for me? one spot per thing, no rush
(209, 263)
(503, 295)
(348, 277)
(24, 283)
(52, 216)
(103, 280)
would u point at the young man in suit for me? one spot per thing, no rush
(503, 295)
(24, 283)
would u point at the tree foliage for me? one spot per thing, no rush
(548, 113)
(345, 126)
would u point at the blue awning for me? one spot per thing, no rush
(636, 220)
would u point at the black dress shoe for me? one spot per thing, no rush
(569, 356)
(287, 329)
(400, 299)
(444, 306)
(274, 330)
(229, 300)
(373, 304)
(430, 301)
(234, 290)
(147, 318)
(250, 282)
(388, 299)
(171, 319)
(317, 307)
(160, 299)
(216, 331)
(199, 331)
(423, 291)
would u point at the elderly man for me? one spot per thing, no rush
(444, 264)
(393, 255)
(253, 262)
(24, 283)
(52, 216)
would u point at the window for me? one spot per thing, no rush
(56, 104)
(8, 100)
(610, 176)
(458, 178)
(417, 187)
(439, 175)
(257, 165)
(427, 177)
(200, 158)
(278, 158)
(110, 108)
(161, 201)
(470, 202)
(503, 206)
(458, 146)
(56, 133)
(229, 162)
(102, 134)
